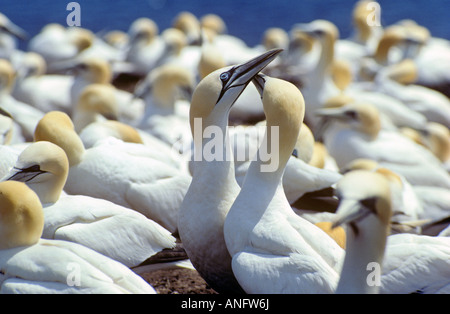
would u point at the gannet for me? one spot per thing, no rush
(434, 105)
(139, 180)
(8, 33)
(145, 46)
(264, 236)
(407, 208)
(359, 135)
(44, 92)
(58, 44)
(366, 206)
(30, 264)
(23, 114)
(112, 230)
(205, 206)
(98, 71)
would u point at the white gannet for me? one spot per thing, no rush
(189, 24)
(407, 207)
(58, 44)
(274, 250)
(44, 92)
(318, 84)
(365, 37)
(214, 187)
(23, 114)
(358, 134)
(8, 34)
(300, 177)
(29, 264)
(98, 71)
(139, 180)
(366, 206)
(436, 137)
(96, 103)
(112, 230)
(146, 48)
(434, 105)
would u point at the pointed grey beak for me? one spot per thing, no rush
(23, 175)
(349, 211)
(241, 75)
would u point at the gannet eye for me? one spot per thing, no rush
(224, 76)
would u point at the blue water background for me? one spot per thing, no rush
(245, 19)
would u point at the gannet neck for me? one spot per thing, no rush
(57, 127)
(44, 167)
(361, 13)
(341, 73)
(391, 37)
(214, 187)
(22, 217)
(96, 101)
(366, 205)
(168, 84)
(284, 108)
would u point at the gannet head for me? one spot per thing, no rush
(7, 76)
(436, 137)
(142, 31)
(82, 38)
(116, 38)
(9, 27)
(94, 70)
(392, 36)
(284, 107)
(361, 13)
(363, 194)
(274, 38)
(213, 22)
(6, 127)
(216, 93)
(322, 30)
(175, 41)
(170, 82)
(190, 25)
(57, 127)
(101, 99)
(211, 60)
(341, 72)
(44, 167)
(364, 118)
(300, 42)
(21, 215)
(33, 64)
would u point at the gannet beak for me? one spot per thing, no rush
(350, 211)
(15, 30)
(23, 175)
(259, 81)
(241, 75)
(335, 113)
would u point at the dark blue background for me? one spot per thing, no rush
(245, 19)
